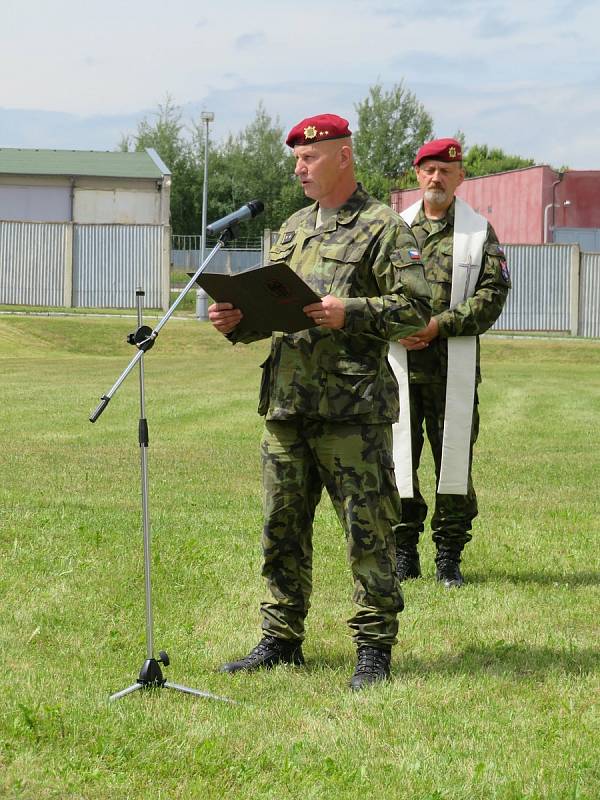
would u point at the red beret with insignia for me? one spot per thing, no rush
(441, 150)
(316, 129)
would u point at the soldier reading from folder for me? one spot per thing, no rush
(329, 399)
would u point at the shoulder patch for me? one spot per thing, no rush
(402, 257)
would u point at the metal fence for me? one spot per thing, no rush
(555, 287)
(589, 295)
(225, 261)
(540, 299)
(240, 254)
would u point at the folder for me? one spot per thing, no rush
(271, 298)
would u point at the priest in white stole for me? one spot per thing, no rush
(438, 368)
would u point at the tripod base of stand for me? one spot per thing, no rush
(151, 677)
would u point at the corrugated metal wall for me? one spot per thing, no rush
(540, 297)
(89, 266)
(589, 295)
(110, 261)
(32, 263)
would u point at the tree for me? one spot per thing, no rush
(166, 136)
(254, 164)
(482, 160)
(392, 125)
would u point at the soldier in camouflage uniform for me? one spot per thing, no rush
(439, 172)
(330, 398)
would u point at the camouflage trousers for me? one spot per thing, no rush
(354, 463)
(453, 513)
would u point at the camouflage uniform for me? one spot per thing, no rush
(329, 398)
(453, 514)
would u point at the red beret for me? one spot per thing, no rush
(441, 150)
(316, 129)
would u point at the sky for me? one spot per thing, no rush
(522, 75)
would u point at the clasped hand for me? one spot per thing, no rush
(420, 340)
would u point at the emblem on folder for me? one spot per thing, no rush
(278, 289)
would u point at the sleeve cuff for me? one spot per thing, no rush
(444, 322)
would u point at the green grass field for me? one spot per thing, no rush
(495, 686)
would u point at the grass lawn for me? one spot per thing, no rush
(495, 686)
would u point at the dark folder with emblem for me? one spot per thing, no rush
(271, 298)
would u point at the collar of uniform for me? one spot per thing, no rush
(346, 213)
(448, 218)
(353, 205)
(348, 210)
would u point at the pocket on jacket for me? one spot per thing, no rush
(350, 386)
(281, 252)
(338, 265)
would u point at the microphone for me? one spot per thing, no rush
(247, 211)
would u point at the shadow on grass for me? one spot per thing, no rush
(540, 577)
(500, 659)
(503, 659)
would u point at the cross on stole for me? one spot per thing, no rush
(469, 266)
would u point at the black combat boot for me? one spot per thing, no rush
(269, 652)
(372, 665)
(447, 563)
(407, 561)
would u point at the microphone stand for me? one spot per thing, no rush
(143, 338)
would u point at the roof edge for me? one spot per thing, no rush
(158, 161)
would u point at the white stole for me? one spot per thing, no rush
(470, 230)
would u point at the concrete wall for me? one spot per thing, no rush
(116, 206)
(35, 203)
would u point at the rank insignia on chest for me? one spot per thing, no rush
(287, 238)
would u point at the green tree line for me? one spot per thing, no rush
(255, 163)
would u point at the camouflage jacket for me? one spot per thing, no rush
(475, 315)
(367, 255)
